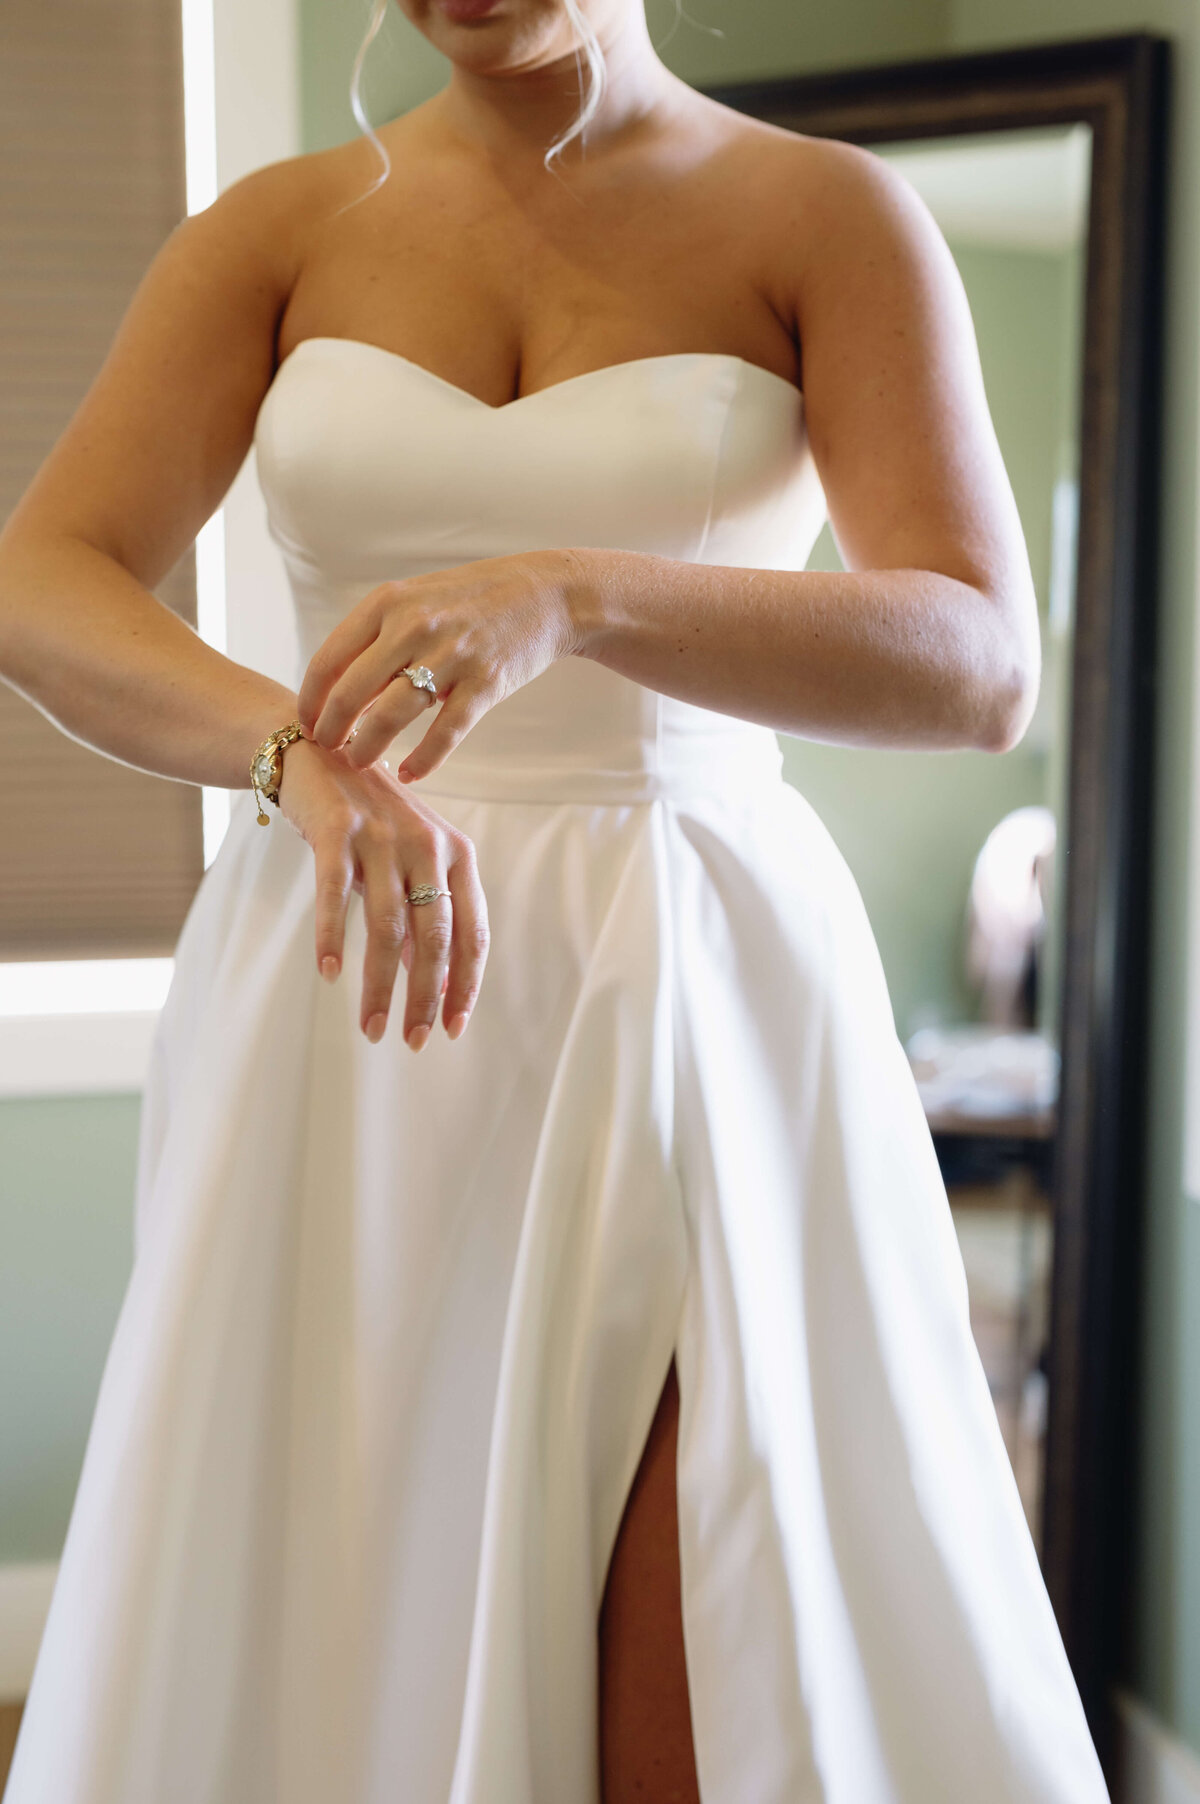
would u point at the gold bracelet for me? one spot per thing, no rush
(266, 767)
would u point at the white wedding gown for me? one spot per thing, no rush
(398, 1323)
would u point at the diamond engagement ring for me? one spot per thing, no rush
(426, 892)
(420, 676)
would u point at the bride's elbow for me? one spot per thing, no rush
(1010, 696)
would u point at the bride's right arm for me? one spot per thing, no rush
(146, 459)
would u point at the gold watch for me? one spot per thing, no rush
(266, 767)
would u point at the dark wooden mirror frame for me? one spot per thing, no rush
(1118, 87)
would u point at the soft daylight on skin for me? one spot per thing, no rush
(503, 277)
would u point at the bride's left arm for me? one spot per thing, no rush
(930, 639)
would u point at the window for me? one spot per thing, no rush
(97, 860)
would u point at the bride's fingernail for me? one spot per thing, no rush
(418, 1036)
(375, 1027)
(329, 968)
(456, 1025)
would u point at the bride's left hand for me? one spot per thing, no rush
(483, 629)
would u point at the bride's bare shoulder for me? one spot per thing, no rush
(824, 212)
(284, 204)
(782, 174)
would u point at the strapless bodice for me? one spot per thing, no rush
(373, 467)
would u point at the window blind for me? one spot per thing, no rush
(96, 859)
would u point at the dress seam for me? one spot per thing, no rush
(671, 950)
(718, 459)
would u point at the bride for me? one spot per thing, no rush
(554, 1382)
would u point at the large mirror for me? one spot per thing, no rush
(1007, 893)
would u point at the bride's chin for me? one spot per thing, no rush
(477, 17)
(510, 36)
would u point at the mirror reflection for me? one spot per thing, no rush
(956, 853)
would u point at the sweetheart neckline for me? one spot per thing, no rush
(605, 369)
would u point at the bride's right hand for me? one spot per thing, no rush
(369, 832)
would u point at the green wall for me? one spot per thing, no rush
(67, 1165)
(66, 1246)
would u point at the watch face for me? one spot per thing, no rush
(264, 769)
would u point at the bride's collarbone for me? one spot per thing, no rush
(475, 339)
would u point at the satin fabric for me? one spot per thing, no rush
(397, 1324)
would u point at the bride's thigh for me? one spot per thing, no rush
(646, 1753)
